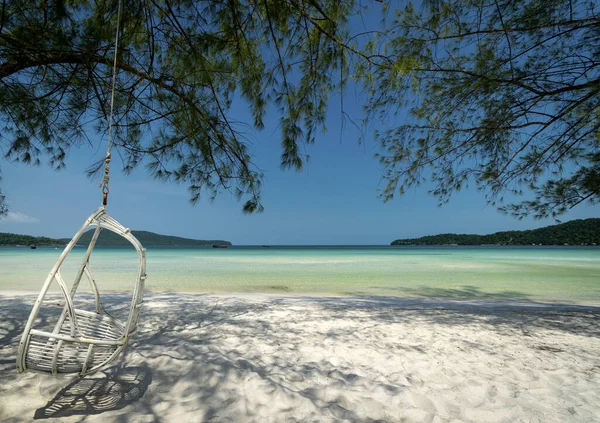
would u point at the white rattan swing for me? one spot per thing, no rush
(82, 341)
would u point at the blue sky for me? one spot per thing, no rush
(333, 201)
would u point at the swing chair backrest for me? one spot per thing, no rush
(82, 341)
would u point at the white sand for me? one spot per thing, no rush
(259, 358)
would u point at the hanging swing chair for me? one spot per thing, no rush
(83, 341)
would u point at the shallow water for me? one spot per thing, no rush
(534, 273)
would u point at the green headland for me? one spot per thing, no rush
(574, 232)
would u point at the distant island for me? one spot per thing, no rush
(108, 238)
(8, 239)
(574, 232)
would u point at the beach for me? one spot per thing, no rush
(302, 358)
(319, 211)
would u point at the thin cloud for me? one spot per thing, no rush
(19, 217)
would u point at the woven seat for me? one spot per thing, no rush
(82, 341)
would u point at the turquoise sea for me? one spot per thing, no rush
(533, 273)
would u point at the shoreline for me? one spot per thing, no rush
(279, 357)
(398, 300)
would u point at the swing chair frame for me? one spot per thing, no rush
(82, 341)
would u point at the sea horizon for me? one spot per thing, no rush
(309, 246)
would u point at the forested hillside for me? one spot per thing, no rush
(147, 238)
(575, 232)
(108, 238)
(15, 239)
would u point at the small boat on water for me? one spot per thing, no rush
(220, 245)
(33, 246)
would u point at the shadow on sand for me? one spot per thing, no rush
(95, 394)
(213, 357)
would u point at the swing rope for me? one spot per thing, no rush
(106, 178)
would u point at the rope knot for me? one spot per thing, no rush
(106, 179)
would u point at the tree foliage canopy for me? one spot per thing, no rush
(499, 93)
(181, 64)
